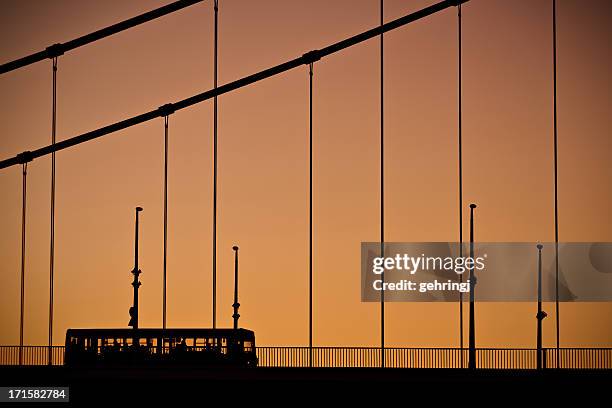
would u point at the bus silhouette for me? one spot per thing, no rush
(160, 347)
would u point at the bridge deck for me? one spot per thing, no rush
(306, 384)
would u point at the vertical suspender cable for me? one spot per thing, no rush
(52, 240)
(165, 216)
(382, 191)
(472, 278)
(460, 131)
(556, 174)
(23, 249)
(310, 73)
(214, 238)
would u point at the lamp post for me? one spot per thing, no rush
(541, 314)
(236, 305)
(135, 283)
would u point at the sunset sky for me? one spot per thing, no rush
(263, 162)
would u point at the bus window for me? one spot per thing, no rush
(167, 344)
(152, 344)
(200, 343)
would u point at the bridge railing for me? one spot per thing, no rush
(395, 357)
(31, 355)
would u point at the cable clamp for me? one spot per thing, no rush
(55, 50)
(25, 157)
(311, 56)
(166, 110)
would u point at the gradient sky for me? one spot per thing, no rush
(263, 162)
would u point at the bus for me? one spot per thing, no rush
(165, 347)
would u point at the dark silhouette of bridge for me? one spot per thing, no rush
(311, 356)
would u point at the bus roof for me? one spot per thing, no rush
(156, 332)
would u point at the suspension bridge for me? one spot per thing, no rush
(311, 355)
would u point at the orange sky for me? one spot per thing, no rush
(263, 159)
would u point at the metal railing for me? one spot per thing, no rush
(497, 358)
(489, 358)
(31, 355)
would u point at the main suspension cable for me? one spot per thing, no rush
(59, 49)
(305, 59)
